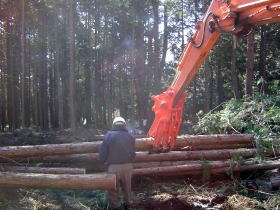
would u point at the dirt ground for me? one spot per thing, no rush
(155, 193)
(220, 192)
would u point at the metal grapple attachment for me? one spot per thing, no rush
(167, 120)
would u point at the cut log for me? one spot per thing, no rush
(267, 165)
(182, 141)
(202, 142)
(43, 170)
(215, 147)
(51, 181)
(146, 157)
(49, 149)
(180, 168)
(214, 167)
(74, 158)
(143, 144)
(195, 155)
(275, 182)
(164, 163)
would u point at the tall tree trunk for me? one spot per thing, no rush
(234, 73)
(207, 70)
(164, 49)
(16, 68)
(35, 88)
(250, 65)
(194, 96)
(71, 68)
(219, 81)
(97, 85)
(262, 60)
(10, 85)
(156, 53)
(28, 92)
(52, 93)
(23, 74)
(3, 85)
(55, 123)
(211, 86)
(3, 97)
(43, 76)
(97, 105)
(182, 26)
(165, 40)
(140, 69)
(60, 94)
(88, 74)
(59, 108)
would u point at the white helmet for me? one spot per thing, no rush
(119, 120)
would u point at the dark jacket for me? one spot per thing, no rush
(117, 147)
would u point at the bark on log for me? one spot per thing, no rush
(181, 141)
(163, 163)
(180, 168)
(141, 145)
(214, 167)
(214, 147)
(170, 163)
(51, 181)
(77, 158)
(250, 167)
(195, 155)
(43, 170)
(275, 182)
(48, 149)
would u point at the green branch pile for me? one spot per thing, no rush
(259, 116)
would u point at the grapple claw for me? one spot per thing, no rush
(167, 120)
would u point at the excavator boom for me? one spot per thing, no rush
(223, 16)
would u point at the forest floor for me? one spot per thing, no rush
(149, 193)
(166, 193)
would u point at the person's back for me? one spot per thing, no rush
(117, 150)
(118, 147)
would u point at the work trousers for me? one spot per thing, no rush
(123, 174)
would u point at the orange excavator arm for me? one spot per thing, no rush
(222, 16)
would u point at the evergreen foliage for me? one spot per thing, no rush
(259, 116)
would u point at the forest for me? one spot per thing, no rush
(70, 64)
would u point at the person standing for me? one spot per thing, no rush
(118, 152)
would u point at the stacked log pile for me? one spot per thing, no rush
(191, 155)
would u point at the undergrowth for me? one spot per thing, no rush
(259, 116)
(79, 199)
